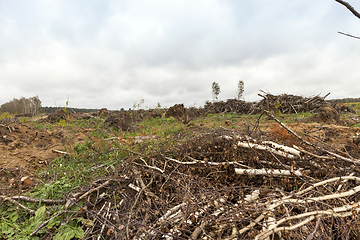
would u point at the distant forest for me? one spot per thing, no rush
(344, 100)
(78, 110)
(33, 106)
(22, 106)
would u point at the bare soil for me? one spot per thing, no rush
(25, 149)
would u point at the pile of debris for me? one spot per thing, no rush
(230, 106)
(287, 104)
(220, 184)
(283, 103)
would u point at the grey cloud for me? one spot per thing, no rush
(112, 54)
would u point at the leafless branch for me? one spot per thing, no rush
(349, 35)
(351, 8)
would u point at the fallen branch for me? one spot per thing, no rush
(278, 151)
(343, 211)
(58, 151)
(34, 200)
(47, 221)
(271, 205)
(5, 198)
(270, 172)
(356, 161)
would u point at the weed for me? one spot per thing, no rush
(5, 115)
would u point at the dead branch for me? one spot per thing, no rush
(47, 221)
(349, 35)
(269, 172)
(343, 211)
(5, 198)
(349, 7)
(58, 151)
(34, 200)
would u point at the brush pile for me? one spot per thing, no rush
(230, 106)
(284, 103)
(217, 183)
(287, 104)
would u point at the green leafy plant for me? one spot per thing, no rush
(70, 230)
(12, 229)
(277, 111)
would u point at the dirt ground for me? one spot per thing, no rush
(25, 149)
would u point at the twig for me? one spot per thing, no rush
(148, 166)
(195, 161)
(336, 212)
(47, 221)
(198, 230)
(311, 236)
(5, 198)
(356, 161)
(103, 226)
(34, 200)
(346, 34)
(6, 166)
(94, 189)
(271, 172)
(58, 151)
(278, 151)
(102, 220)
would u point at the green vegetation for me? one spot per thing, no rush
(78, 110)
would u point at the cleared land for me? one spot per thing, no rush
(180, 174)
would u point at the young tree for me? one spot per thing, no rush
(215, 90)
(240, 90)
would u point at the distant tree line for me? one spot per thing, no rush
(22, 106)
(344, 100)
(33, 106)
(78, 110)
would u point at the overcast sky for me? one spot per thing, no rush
(112, 54)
